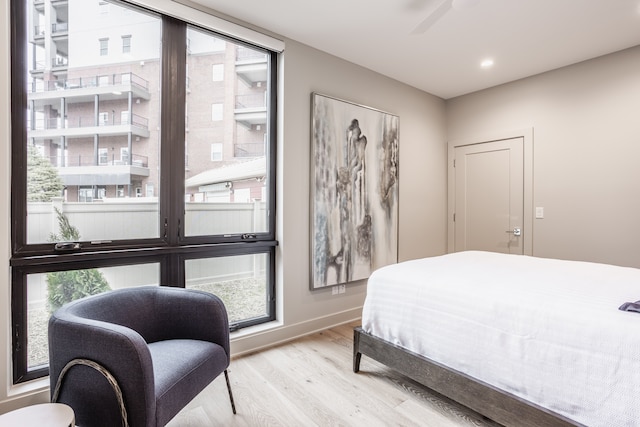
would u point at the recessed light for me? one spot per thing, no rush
(487, 63)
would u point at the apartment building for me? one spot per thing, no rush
(95, 103)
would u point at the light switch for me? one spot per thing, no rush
(539, 212)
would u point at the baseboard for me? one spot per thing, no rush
(27, 399)
(249, 341)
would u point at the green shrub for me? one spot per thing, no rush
(66, 286)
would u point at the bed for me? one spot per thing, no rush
(522, 340)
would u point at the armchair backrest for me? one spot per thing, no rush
(132, 308)
(159, 313)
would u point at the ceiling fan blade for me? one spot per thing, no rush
(443, 7)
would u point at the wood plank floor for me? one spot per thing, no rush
(310, 382)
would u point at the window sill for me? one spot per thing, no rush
(255, 330)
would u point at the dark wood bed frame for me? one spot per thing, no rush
(483, 398)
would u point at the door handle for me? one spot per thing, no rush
(516, 231)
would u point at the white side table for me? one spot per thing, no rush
(43, 415)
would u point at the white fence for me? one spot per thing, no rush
(140, 218)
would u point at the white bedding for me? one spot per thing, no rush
(546, 330)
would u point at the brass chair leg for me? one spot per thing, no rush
(226, 377)
(105, 373)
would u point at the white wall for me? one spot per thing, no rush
(586, 143)
(301, 311)
(422, 168)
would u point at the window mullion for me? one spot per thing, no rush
(272, 153)
(18, 133)
(172, 123)
(172, 133)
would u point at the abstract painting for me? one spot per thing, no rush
(354, 199)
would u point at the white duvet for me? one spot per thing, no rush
(546, 330)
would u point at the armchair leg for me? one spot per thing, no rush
(226, 377)
(108, 376)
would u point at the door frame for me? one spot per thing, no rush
(527, 196)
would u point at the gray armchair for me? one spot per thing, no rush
(135, 357)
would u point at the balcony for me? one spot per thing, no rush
(83, 170)
(84, 89)
(59, 63)
(251, 66)
(251, 109)
(249, 150)
(38, 33)
(60, 30)
(38, 68)
(86, 126)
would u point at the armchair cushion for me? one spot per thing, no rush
(182, 369)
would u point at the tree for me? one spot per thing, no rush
(66, 286)
(43, 181)
(43, 184)
(68, 233)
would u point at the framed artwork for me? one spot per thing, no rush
(354, 195)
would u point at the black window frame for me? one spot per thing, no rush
(171, 248)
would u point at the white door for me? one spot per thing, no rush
(489, 203)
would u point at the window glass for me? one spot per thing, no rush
(104, 47)
(216, 151)
(126, 44)
(240, 282)
(103, 156)
(217, 111)
(93, 124)
(91, 167)
(226, 195)
(217, 72)
(124, 155)
(47, 292)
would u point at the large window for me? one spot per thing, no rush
(101, 195)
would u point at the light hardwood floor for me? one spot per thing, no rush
(310, 382)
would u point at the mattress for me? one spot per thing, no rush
(548, 331)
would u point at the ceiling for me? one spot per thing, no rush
(391, 37)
